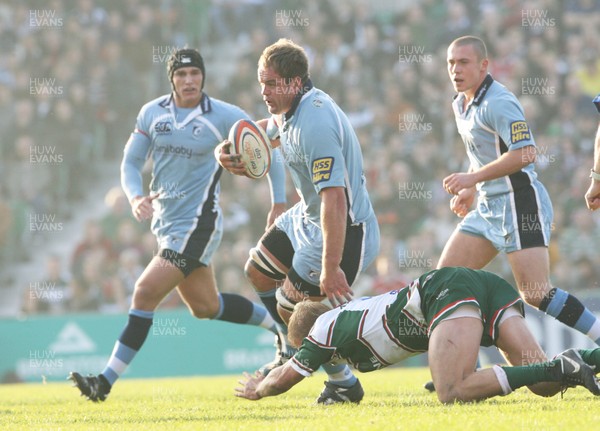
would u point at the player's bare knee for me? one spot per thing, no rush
(250, 272)
(446, 396)
(144, 297)
(451, 394)
(261, 271)
(533, 297)
(203, 310)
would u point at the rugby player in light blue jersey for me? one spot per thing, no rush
(178, 132)
(592, 196)
(317, 248)
(513, 212)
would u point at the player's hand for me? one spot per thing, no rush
(456, 182)
(231, 162)
(335, 286)
(460, 204)
(141, 207)
(592, 196)
(275, 211)
(249, 386)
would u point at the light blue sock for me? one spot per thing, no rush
(129, 343)
(340, 374)
(567, 309)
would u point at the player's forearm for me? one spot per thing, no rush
(270, 389)
(134, 158)
(276, 177)
(597, 152)
(508, 163)
(334, 211)
(131, 178)
(278, 381)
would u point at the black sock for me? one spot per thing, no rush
(236, 308)
(270, 301)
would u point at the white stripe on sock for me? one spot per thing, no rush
(502, 379)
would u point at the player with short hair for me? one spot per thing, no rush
(178, 132)
(317, 248)
(448, 312)
(592, 196)
(513, 212)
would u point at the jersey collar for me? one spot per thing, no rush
(483, 89)
(204, 107)
(308, 85)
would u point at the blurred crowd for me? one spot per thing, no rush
(74, 74)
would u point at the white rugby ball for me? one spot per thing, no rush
(252, 143)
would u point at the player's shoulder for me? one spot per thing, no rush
(499, 100)
(317, 110)
(158, 104)
(220, 106)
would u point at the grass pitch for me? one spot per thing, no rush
(394, 399)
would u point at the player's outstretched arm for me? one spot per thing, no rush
(279, 380)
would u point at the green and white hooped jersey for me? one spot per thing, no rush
(373, 332)
(370, 333)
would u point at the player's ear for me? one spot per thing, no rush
(484, 64)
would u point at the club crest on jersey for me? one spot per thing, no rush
(197, 130)
(321, 169)
(519, 131)
(163, 128)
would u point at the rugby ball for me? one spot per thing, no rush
(252, 143)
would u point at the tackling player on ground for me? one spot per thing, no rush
(448, 312)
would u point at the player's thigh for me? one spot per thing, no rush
(468, 250)
(453, 350)
(158, 279)
(199, 292)
(296, 289)
(271, 259)
(531, 269)
(517, 342)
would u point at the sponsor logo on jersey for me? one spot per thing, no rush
(321, 169)
(519, 131)
(178, 151)
(163, 128)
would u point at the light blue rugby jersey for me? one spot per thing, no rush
(185, 173)
(321, 150)
(493, 124)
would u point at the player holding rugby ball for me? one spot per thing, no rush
(317, 248)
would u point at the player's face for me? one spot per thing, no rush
(466, 70)
(188, 84)
(277, 92)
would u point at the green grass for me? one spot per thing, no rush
(394, 399)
